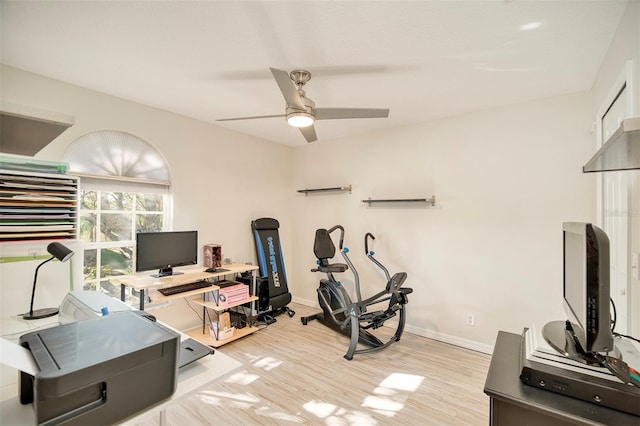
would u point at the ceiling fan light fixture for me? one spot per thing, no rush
(300, 119)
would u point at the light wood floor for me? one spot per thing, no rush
(296, 374)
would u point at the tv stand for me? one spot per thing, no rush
(512, 402)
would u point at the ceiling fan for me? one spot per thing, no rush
(301, 112)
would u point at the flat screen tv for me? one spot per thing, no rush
(586, 285)
(165, 250)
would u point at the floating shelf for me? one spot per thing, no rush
(431, 200)
(337, 188)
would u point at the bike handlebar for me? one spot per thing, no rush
(341, 233)
(366, 241)
(370, 254)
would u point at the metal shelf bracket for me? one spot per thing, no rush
(431, 200)
(337, 188)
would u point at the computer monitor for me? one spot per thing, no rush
(586, 285)
(165, 250)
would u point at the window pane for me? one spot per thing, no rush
(90, 264)
(149, 202)
(106, 218)
(116, 201)
(148, 222)
(88, 200)
(88, 227)
(116, 261)
(115, 227)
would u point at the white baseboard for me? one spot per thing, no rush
(305, 302)
(452, 340)
(430, 334)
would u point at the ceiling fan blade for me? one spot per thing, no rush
(287, 88)
(336, 113)
(250, 118)
(309, 133)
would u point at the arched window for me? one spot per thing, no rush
(124, 189)
(111, 154)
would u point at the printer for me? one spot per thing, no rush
(99, 370)
(84, 304)
(80, 305)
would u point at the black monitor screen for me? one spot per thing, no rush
(586, 285)
(165, 250)
(575, 276)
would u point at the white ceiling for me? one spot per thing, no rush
(210, 59)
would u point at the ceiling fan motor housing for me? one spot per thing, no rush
(301, 118)
(300, 77)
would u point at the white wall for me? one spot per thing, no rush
(504, 181)
(221, 180)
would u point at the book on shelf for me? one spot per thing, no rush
(228, 293)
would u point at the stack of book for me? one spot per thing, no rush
(230, 293)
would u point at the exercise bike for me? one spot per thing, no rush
(350, 318)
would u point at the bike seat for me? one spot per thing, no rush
(332, 267)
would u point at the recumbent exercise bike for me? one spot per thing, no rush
(350, 318)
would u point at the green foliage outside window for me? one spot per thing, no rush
(108, 223)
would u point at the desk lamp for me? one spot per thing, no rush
(57, 251)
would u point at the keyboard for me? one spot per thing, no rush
(184, 288)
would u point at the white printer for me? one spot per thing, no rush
(81, 305)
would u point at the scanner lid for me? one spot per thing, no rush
(86, 343)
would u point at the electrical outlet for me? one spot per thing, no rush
(471, 320)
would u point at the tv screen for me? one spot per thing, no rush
(586, 285)
(165, 250)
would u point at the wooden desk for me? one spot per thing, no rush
(514, 403)
(143, 281)
(205, 337)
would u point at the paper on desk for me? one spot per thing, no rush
(18, 357)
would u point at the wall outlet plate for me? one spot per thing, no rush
(471, 320)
